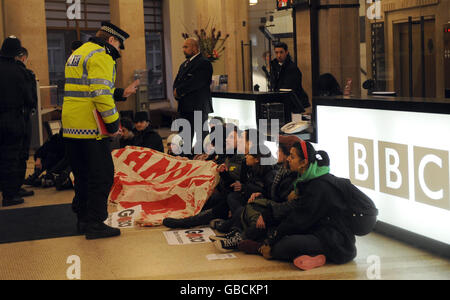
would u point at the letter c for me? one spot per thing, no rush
(429, 158)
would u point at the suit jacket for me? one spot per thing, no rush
(193, 86)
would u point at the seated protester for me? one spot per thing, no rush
(174, 145)
(283, 182)
(127, 136)
(145, 136)
(215, 145)
(258, 179)
(282, 186)
(230, 172)
(59, 175)
(46, 158)
(310, 228)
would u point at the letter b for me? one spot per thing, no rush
(361, 162)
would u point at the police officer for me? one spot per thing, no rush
(89, 86)
(14, 96)
(29, 108)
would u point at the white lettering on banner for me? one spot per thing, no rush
(393, 169)
(74, 11)
(438, 195)
(360, 161)
(164, 185)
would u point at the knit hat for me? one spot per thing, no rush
(11, 47)
(141, 116)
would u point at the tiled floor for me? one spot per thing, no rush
(143, 253)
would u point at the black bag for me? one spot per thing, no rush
(362, 212)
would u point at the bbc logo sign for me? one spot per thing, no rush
(431, 170)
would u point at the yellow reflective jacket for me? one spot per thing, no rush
(90, 76)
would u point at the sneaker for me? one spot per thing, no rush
(12, 201)
(99, 230)
(306, 262)
(227, 236)
(249, 247)
(229, 245)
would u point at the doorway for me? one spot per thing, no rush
(415, 58)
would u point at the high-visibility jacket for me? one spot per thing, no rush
(90, 76)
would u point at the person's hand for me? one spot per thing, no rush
(38, 163)
(131, 89)
(253, 197)
(260, 224)
(175, 94)
(237, 186)
(222, 168)
(117, 133)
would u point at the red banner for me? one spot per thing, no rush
(164, 185)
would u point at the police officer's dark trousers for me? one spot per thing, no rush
(12, 132)
(93, 170)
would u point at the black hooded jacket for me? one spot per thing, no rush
(148, 138)
(319, 211)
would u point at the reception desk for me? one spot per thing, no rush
(395, 150)
(246, 108)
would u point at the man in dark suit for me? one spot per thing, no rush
(192, 88)
(285, 75)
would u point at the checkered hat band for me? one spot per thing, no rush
(113, 32)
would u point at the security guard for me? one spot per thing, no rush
(89, 87)
(15, 95)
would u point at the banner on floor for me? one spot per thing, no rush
(189, 236)
(164, 186)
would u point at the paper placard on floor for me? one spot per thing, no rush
(220, 256)
(189, 236)
(125, 218)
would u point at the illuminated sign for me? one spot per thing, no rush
(286, 4)
(399, 159)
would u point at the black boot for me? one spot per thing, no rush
(12, 201)
(202, 218)
(99, 230)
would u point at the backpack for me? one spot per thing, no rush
(362, 212)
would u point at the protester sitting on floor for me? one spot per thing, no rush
(209, 148)
(258, 181)
(311, 228)
(231, 170)
(127, 136)
(145, 136)
(47, 158)
(282, 186)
